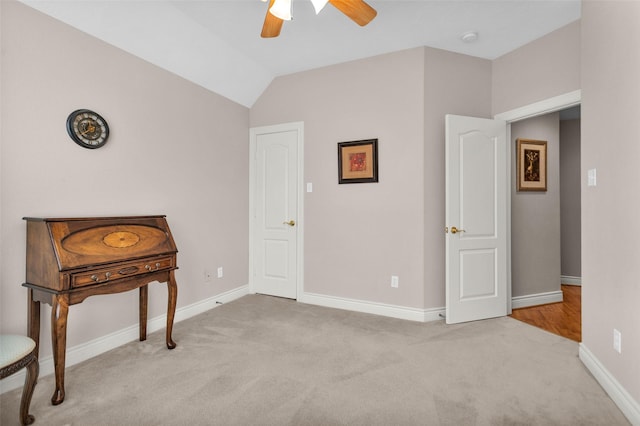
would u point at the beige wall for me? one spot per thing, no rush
(174, 149)
(454, 84)
(544, 68)
(610, 210)
(570, 234)
(357, 236)
(535, 216)
(1, 172)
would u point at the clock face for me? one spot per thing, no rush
(87, 128)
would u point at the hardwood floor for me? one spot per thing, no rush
(562, 318)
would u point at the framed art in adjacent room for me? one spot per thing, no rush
(532, 165)
(358, 161)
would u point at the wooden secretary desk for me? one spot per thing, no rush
(71, 259)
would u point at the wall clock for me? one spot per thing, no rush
(87, 128)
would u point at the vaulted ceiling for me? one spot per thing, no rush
(217, 43)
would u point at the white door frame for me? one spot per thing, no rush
(535, 109)
(277, 128)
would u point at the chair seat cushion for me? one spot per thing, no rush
(13, 348)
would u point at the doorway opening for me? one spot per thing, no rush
(546, 230)
(506, 178)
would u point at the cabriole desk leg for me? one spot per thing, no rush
(59, 313)
(172, 288)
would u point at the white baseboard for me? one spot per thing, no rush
(415, 314)
(110, 341)
(393, 311)
(569, 280)
(629, 407)
(536, 299)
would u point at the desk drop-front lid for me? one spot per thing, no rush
(84, 242)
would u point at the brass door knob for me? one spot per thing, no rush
(290, 223)
(455, 230)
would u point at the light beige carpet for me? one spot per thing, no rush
(266, 361)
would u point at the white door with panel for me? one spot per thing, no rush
(275, 209)
(476, 219)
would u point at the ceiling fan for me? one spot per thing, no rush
(280, 10)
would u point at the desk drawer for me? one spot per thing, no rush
(120, 270)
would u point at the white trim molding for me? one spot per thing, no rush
(569, 280)
(95, 347)
(545, 106)
(415, 314)
(383, 309)
(536, 299)
(625, 402)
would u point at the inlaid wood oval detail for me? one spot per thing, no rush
(116, 240)
(121, 239)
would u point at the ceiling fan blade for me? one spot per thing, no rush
(272, 25)
(359, 11)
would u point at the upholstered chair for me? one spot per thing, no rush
(16, 353)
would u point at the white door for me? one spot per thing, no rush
(276, 209)
(476, 219)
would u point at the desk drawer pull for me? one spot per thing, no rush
(95, 278)
(149, 268)
(129, 270)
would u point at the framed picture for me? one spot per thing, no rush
(532, 165)
(358, 161)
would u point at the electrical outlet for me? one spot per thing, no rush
(617, 341)
(394, 281)
(220, 272)
(208, 276)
